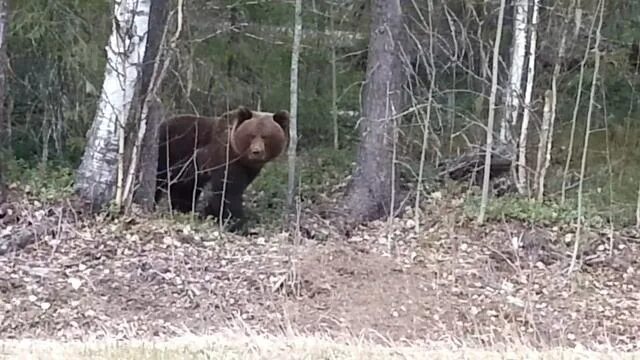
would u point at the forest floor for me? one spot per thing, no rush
(451, 282)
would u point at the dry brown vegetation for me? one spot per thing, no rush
(145, 278)
(230, 345)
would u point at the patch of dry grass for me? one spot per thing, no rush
(230, 345)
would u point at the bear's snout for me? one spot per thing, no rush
(256, 151)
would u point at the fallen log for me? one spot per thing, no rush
(21, 238)
(469, 168)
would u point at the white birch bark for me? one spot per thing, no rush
(96, 176)
(524, 130)
(545, 130)
(293, 111)
(514, 87)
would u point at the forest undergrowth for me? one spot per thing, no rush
(457, 274)
(442, 280)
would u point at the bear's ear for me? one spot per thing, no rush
(238, 115)
(243, 113)
(282, 118)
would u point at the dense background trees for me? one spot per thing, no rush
(239, 52)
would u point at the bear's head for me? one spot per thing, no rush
(259, 137)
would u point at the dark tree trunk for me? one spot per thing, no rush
(370, 191)
(145, 193)
(157, 22)
(5, 125)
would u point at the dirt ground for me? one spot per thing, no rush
(450, 280)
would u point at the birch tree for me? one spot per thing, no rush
(514, 87)
(101, 168)
(370, 191)
(293, 112)
(524, 130)
(543, 144)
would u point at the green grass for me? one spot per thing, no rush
(521, 209)
(611, 182)
(319, 169)
(45, 183)
(322, 169)
(550, 212)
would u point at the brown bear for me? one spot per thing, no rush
(225, 153)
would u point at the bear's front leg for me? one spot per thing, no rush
(232, 212)
(182, 197)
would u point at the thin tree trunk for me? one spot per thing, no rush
(578, 21)
(514, 88)
(293, 128)
(96, 176)
(545, 132)
(5, 126)
(587, 132)
(478, 104)
(574, 119)
(46, 135)
(334, 86)
(491, 116)
(522, 182)
(370, 189)
(451, 113)
(542, 171)
(151, 117)
(607, 129)
(427, 121)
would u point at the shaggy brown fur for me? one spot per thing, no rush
(202, 150)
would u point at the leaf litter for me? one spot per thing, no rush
(145, 277)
